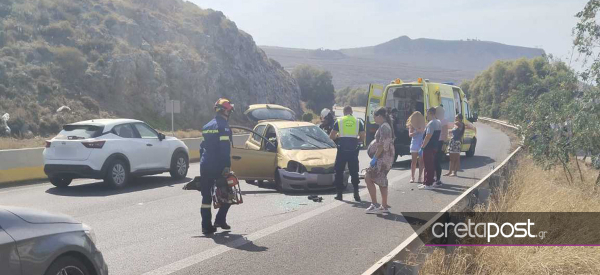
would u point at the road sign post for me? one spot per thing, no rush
(173, 106)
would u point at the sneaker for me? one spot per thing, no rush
(208, 231)
(357, 197)
(338, 197)
(437, 184)
(222, 226)
(383, 210)
(372, 209)
(426, 187)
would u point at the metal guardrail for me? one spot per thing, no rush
(500, 122)
(22, 165)
(397, 261)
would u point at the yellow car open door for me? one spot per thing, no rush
(376, 100)
(252, 164)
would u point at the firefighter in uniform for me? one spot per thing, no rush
(349, 134)
(215, 162)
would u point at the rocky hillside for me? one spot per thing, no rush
(405, 58)
(126, 58)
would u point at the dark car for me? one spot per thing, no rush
(37, 242)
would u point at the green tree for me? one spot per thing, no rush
(490, 91)
(352, 97)
(586, 122)
(308, 117)
(316, 87)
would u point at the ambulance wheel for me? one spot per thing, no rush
(471, 151)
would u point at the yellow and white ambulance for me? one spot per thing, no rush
(420, 95)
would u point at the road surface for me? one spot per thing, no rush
(153, 226)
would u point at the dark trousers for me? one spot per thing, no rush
(206, 186)
(341, 159)
(439, 157)
(429, 161)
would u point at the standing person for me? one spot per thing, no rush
(455, 145)
(440, 154)
(349, 133)
(327, 120)
(215, 162)
(416, 129)
(429, 147)
(382, 152)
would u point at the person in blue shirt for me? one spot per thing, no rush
(215, 162)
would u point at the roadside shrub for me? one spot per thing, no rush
(57, 32)
(49, 125)
(43, 19)
(100, 62)
(98, 45)
(90, 104)
(70, 59)
(44, 88)
(5, 8)
(110, 21)
(308, 117)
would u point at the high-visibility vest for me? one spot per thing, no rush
(348, 126)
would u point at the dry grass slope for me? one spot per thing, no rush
(532, 190)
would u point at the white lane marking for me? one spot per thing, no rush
(207, 254)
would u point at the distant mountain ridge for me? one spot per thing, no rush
(405, 58)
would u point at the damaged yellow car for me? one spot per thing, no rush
(294, 155)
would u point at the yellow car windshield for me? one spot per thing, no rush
(305, 138)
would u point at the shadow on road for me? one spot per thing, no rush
(389, 216)
(235, 241)
(401, 165)
(450, 189)
(269, 188)
(474, 162)
(99, 189)
(258, 192)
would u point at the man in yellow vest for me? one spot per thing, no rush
(349, 133)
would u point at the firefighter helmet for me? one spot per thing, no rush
(224, 104)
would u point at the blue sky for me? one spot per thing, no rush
(335, 24)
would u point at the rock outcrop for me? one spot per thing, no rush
(126, 59)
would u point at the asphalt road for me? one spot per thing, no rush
(153, 226)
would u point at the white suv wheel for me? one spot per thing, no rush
(118, 174)
(181, 166)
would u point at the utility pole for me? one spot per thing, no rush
(173, 106)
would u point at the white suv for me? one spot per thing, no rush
(113, 150)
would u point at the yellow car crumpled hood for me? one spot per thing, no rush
(324, 158)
